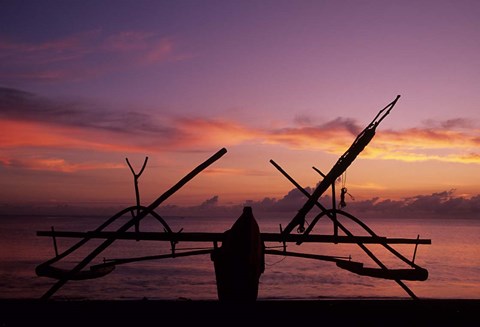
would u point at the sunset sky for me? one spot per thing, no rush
(86, 84)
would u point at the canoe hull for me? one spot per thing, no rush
(418, 274)
(60, 273)
(240, 261)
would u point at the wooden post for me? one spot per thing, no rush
(137, 192)
(54, 242)
(334, 205)
(415, 251)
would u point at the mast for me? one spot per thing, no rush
(342, 164)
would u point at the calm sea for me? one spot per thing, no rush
(453, 262)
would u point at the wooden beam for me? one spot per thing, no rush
(218, 237)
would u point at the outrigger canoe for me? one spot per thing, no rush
(395, 274)
(61, 273)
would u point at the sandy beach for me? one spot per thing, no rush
(212, 313)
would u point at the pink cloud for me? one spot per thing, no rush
(407, 145)
(65, 49)
(159, 51)
(27, 120)
(127, 41)
(198, 131)
(83, 55)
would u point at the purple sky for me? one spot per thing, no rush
(84, 84)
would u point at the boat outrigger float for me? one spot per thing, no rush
(239, 253)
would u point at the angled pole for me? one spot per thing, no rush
(132, 222)
(341, 165)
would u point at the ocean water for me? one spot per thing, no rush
(453, 261)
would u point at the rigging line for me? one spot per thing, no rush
(274, 247)
(157, 256)
(194, 248)
(275, 263)
(116, 262)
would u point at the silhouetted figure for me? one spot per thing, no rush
(239, 262)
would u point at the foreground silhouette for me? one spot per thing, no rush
(239, 261)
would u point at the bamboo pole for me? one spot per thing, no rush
(132, 222)
(340, 166)
(115, 262)
(219, 237)
(306, 255)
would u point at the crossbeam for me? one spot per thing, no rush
(219, 237)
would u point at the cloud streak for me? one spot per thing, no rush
(29, 120)
(83, 55)
(56, 164)
(452, 144)
(443, 204)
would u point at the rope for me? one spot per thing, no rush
(344, 191)
(274, 247)
(273, 264)
(204, 248)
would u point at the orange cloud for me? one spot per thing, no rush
(56, 164)
(418, 144)
(209, 132)
(330, 140)
(415, 144)
(27, 120)
(22, 134)
(18, 138)
(221, 132)
(431, 138)
(410, 145)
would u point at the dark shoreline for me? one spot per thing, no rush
(372, 312)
